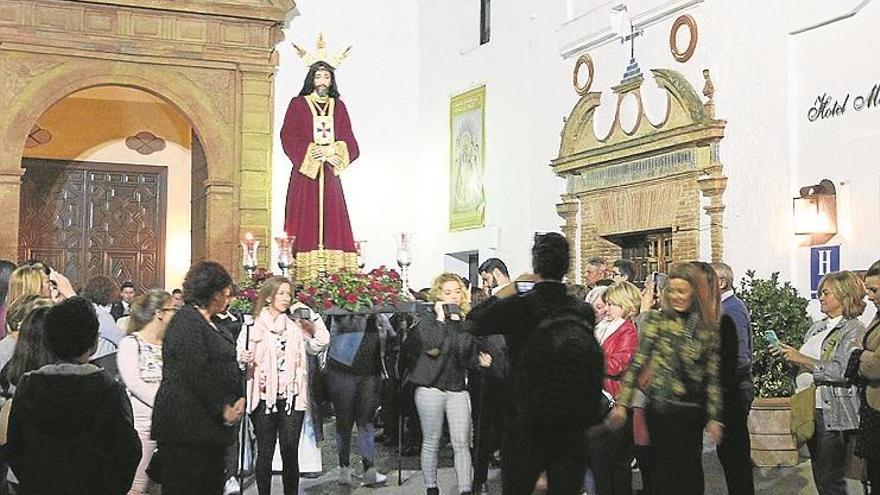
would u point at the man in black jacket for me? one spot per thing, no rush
(122, 307)
(70, 428)
(532, 445)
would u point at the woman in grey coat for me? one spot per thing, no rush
(821, 362)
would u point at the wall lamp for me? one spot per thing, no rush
(815, 211)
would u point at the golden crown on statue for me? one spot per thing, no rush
(320, 54)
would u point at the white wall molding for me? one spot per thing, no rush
(591, 30)
(841, 11)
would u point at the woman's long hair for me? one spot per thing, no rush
(437, 285)
(309, 84)
(6, 269)
(26, 280)
(145, 307)
(268, 291)
(32, 350)
(702, 303)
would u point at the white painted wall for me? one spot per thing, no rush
(765, 79)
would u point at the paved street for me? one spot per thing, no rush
(770, 481)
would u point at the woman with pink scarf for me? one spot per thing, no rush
(277, 371)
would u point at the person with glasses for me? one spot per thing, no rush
(139, 360)
(623, 271)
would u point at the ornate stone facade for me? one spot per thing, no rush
(213, 60)
(648, 178)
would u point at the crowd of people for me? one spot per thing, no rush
(566, 387)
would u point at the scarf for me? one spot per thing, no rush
(267, 382)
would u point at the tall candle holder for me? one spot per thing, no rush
(249, 247)
(404, 258)
(285, 253)
(360, 246)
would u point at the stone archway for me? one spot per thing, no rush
(213, 60)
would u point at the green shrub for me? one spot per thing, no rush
(779, 308)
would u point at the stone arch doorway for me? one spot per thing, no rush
(113, 183)
(211, 60)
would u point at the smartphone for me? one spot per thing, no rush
(303, 313)
(451, 309)
(524, 286)
(771, 338)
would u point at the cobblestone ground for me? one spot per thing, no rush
(770, 481)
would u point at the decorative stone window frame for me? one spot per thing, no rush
(653, 177)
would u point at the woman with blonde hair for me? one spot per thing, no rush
(680, 347)
(139, 360)
(447, 352)
(821, 363)
(275, 356)
(611, 451)
(29, 279)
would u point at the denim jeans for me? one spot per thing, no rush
(828, 457)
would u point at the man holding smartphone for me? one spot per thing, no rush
(533, 442)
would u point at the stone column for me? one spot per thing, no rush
(10, 189)
(713, 185)
(220, 234)
(568, 209)
(255, 173)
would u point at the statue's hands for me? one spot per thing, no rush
(317, 154)
(336, 161)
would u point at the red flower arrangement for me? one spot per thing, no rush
(353, 291)
(246, 292)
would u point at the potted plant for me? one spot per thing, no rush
(773, 306)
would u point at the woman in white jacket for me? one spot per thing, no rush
(275, 355)
(140, 366)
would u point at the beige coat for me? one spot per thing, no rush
(869, 367)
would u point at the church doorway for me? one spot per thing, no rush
(106, 188)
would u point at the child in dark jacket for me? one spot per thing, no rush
(70, 427)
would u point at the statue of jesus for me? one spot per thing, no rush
(318, 139)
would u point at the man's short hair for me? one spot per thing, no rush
(176, 291)
(597, 261)
(71, 328)
(550, 256)
(99, 290)
(491, 264)
(626, 267)
(874, 270)
(128, 284)
(724, 272)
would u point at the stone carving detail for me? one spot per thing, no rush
(21, 69)
(37, 137)
(145, 143)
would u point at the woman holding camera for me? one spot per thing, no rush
(275, 356)
(821, 362)
(447, 351)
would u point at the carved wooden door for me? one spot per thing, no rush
(88, 219)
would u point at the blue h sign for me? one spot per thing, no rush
(823, 260)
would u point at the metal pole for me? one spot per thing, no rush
(248, 323)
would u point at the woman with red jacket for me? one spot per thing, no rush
(612, 450)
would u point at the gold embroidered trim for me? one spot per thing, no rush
(312, 264)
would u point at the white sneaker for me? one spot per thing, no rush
(373, 478)
(232, 487)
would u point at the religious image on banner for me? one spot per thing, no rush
(467, 199)
(317, 137)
